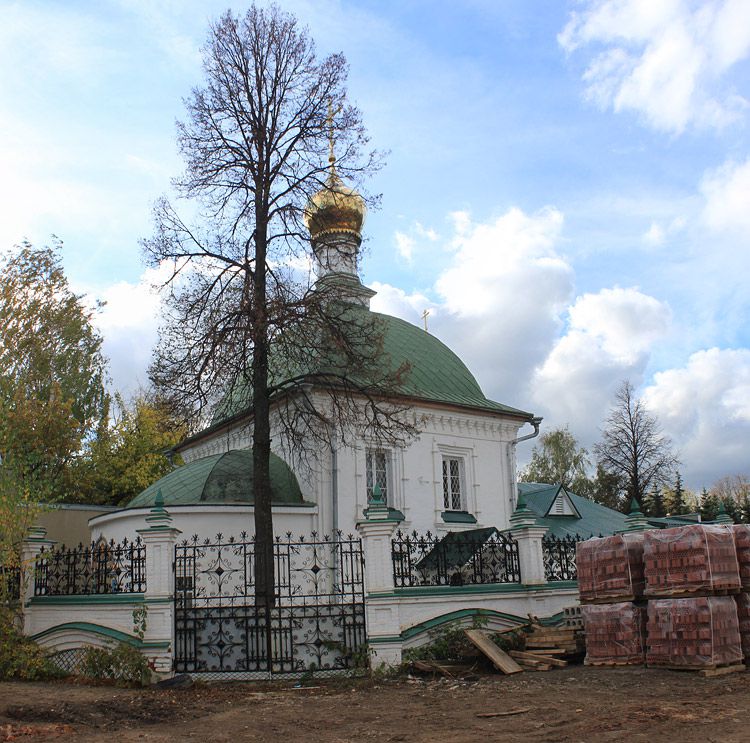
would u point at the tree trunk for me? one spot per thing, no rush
(264, 563)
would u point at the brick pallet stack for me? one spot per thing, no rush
(691, 573)
(611, 584)
(742, 541)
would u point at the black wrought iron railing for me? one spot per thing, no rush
(559, 555)
(10, 584)
(101, 568)
(455, 559)
(316, 621)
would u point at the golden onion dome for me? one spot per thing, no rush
(335, 208)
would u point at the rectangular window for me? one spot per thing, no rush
(453, 487)
(378, 472)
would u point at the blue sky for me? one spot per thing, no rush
(567, 189)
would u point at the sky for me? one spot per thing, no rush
(567, 187)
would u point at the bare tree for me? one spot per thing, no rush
(732, 488)
(246, 332)
(633, 448)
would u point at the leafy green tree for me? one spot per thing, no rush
(129, 451)
(52, 371)
(558, 459)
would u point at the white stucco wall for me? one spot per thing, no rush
(482, 441)
(205, 520)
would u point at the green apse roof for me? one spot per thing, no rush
(220, 478)
(594, 520)
(435, 373)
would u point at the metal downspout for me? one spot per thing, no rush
(536, 422)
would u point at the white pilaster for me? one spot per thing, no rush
(159, 539)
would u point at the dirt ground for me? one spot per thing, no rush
(571, 704)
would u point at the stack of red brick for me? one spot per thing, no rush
(742, 542)
(611, 583)
(691, 572)
(688, 576)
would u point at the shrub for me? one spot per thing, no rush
(20, 657)
(121, 663)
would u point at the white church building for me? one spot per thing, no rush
(377, 546)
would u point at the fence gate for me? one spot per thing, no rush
(317, 623)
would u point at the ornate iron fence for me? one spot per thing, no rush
(560, 557)
(317, 621)
(455, 559)
(102, 567)
(10, 583)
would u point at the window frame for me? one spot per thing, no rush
(448, 480)
(371, 467)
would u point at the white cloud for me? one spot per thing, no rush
(393, 301)
(610, 336)
(655, 235)
(494, 260)
(727, 194)
(404, 245)
(624, 322)
(502, 296)
(128, 323)
(668, 61)
(705, 408)
(426, 232)
(409, 242)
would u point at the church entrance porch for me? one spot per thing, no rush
(316, 625)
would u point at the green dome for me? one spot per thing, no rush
(220, 478)
(435, 373)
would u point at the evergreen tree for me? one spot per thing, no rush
(654, 505)
(732, 508)
(709, 506)
(745, 510)
(676, 499)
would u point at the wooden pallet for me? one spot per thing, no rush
(613, 599)
(689, 593)
(520, 656)
(611, 663)
(706, 671)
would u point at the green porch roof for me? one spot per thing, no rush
(594, 520)
(220, 478)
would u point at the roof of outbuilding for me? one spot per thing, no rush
(595, 519)
(220, 478)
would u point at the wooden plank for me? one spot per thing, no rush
(432, 667)
(534, 665)
(548, 651)
(553, 635)
(516, 628)
(553, 643)
(518, 711)
(500, 659)
(723, 671)
(543, 658)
